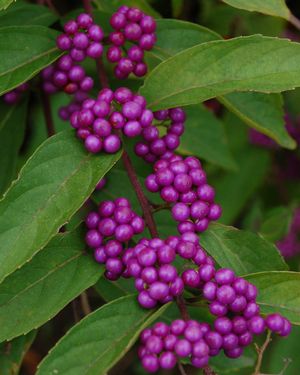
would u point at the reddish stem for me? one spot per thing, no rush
(140, 195)
(182, 308)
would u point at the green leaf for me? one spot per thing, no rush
(211, 145)
(22, 13)
(262, 112)
(281, 351)
(253, 63)
(277, 223)
(110, 291)
(243, 251)
(278, 292)
(276, 8)
(226, 366)
(174, 36)
(234, 189)
(51, 187)
(25, 50)
(41, 288)
(12, 353)
(12, 128)
(5, 3)
(98, 341)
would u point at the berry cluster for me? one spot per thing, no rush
(82, 38)
(67, 76)
(130, 24)
(162, 345)
(156, 279)
(98, 121)
(153, 146)
(113, 225)
(182, 182)
(14, 96)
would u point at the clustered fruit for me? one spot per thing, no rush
(182, 184)
(99, 122)
(133, 26)
(153, 146)
(109, 229)
(162, 345)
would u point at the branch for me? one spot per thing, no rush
(181, 369)
(208, 371)
(260, 353)
(294, 21)
(85, 305)
(140, 195)
(182, 308)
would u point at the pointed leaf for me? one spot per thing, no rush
(97, 342)
(271, 7)
(25, 50)
(243, 251)
(52, 185)
(278, 292)
(41, 288)
(211, 145)
(23, 13)
(174, 36)
(260, 111)
(254, 63)
(12, 129)
(234, 189)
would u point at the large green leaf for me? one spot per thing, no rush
(234, 189)
(271, 7)
(243, 251)
(25, 50)
(12, 128)
(22, 13)
(254, 63)
(260, 111)
(211, 144)
(174, 36)
(52, 185)
(41, 288)
(96, 343)
(12, 353)
(277, 223)
(278, 292)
